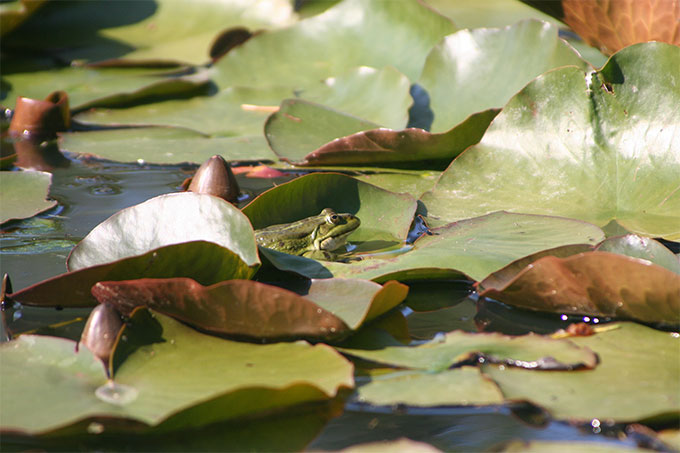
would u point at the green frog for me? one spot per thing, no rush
(315, 237)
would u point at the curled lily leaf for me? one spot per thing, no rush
(101, 331)
(215, 177)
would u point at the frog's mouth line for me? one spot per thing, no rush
(334, 243)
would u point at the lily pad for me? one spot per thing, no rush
(473, 247)
(162, 221)
(377, 95)
(152, 30)
(241, 379)
(475, 70)
(643, 248)
(164, 145)
(618, 124)
(203, 261)
(597, 283)
(23, 194)
(530, 351)
(312, 135)
(638, 378)
(385, 216)
(457, 387)
(398, 34)
(326, 309)
(90, 87)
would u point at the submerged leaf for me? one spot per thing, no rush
(530, 351)
(637, 378)
(595, 147)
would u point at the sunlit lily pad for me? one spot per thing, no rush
(23, 194)
(159, 30)
(456, 387)
(398, 34)
(324, 309)
(596, 283)
(637, 378)
(474, 70)
(385, 216)
(473, 247)
(618, 124)
(402, 445)
(166, 220)
(643, 248)
(164, 145)
(528, 351)
(241, 379)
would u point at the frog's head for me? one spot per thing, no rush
(333, 230)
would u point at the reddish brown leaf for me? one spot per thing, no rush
(215, 177)
(41, 118)
(235, 307)
(597, 284)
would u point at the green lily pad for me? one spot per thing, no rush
(473, 247)
(597, 283)
(220, 379)
(89, 87)
(528, 351)
(323, 310)
(457, 387)
(643, 248)
(23, 194)
(547, 446)
(152, 30)
(162, 221)
(415, 183)
(378, 95)
(596, 147)
(475, 70)
(398, 34)
(385, 216)
(313, 135)
(637, 378)
(164, 145)
(203, 261)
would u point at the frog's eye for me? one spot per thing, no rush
(333, 218)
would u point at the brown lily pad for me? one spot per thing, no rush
(594, 283)
(612, 25)
(257, 310)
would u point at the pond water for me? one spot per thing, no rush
(89, 192)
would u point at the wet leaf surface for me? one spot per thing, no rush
(600, 284)
(641, 247)
(23, 194)
(467, 72)
(473, 247)
(166, 220)
(531, 351)
(532, 157)
(220, 380)
(325, 310)
(634, 361)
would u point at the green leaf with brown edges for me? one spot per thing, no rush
(597, 147)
